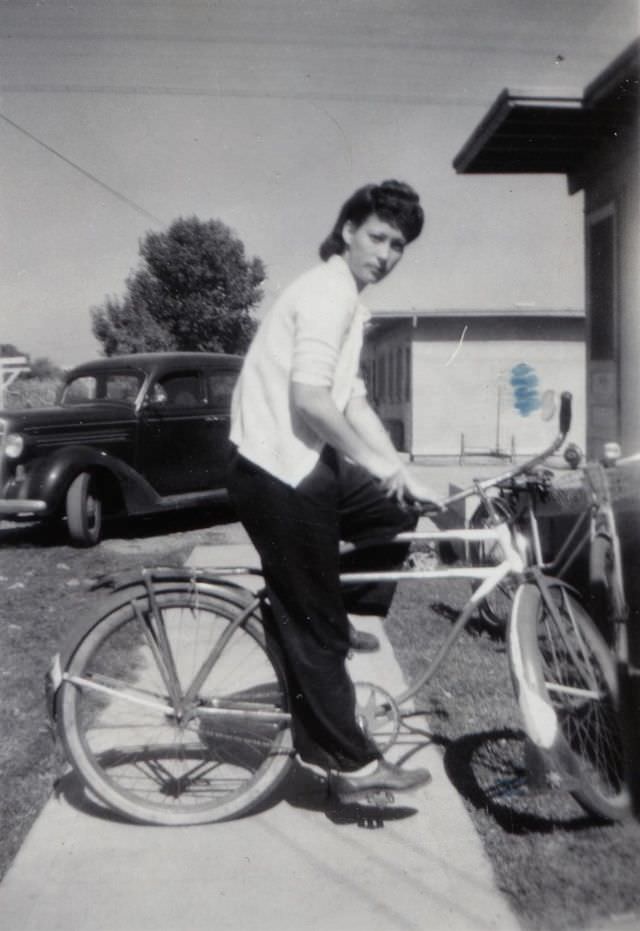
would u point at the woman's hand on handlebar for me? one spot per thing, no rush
(407, 489)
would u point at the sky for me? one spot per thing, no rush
(118, 116)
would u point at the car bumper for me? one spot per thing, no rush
(22, 507)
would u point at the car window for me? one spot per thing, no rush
(79, 390)
(122, 387)
(220, 387)
(182, 389)
(103, 386)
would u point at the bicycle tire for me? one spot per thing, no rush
(605, 575)
(601, 603)
(495, 609)
(566, 685)
(142, 760)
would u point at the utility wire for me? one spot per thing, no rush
(163, 90)
(121, 197)
(439, 41)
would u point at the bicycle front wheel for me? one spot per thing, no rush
(566, 685)
(495, 609)
(174, 714)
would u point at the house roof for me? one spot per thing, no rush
(534, 133)
(514, 313)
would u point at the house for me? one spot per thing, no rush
(594, 141)
(470, 382)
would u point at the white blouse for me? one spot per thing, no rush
(312, 335)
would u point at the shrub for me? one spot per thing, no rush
(31, 392)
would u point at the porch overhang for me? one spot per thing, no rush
(526, 133)
(538, 134)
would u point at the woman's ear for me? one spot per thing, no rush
(347, 232)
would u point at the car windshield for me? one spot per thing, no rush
(102, 387)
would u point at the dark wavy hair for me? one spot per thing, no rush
(393, 201)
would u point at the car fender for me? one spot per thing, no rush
(49, 478)
(134, 586)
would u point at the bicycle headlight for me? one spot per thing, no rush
(14, 445)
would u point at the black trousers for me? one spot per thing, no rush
(297, 532)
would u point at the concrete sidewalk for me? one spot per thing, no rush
(304, 864)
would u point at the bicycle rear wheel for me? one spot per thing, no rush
(147, 748)
(566, 686)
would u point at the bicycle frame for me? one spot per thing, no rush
(514, 563)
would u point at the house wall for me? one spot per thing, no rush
(467, 387)
(614, 184)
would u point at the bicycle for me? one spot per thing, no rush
(172, 705)
(583, 497)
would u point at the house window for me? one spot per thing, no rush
(601, 284)
(399, 374)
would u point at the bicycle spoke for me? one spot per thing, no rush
(152, 626)
(581, 697)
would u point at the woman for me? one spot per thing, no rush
(314, 465)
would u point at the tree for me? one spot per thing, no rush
(43, 368)
(8, 350)
(195, 289)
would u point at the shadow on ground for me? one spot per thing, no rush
(302, 788)
(490, 771)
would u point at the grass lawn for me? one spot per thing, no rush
(560, 867)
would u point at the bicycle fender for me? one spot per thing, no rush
(539, 720)
(131, 586)
(540, 724)
(115, 582)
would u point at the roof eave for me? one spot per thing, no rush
(514, 137)
(547, 313)
(538, 134)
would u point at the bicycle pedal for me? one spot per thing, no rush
(381, 798)
(372, 798)
(371, 822)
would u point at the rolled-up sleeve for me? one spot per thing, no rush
(359, 389)
(323, 317)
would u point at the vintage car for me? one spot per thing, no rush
(129, 435)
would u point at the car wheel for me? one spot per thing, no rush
(84, 511)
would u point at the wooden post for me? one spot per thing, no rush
(10, 368)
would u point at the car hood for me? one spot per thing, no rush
(37, 419)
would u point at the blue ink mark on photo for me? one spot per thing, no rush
(524, 382)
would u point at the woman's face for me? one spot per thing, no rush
(372, 249)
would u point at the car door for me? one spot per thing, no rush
(175, 439)
(219, 385)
